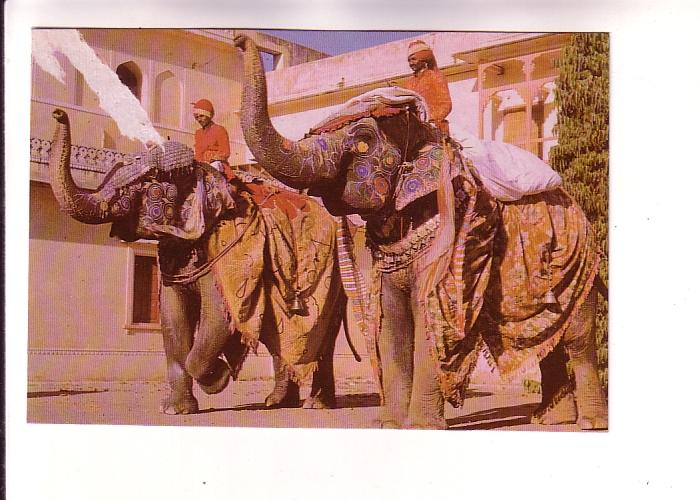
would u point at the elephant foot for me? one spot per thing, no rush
(593, 423)
(593, 419)
(320, 402)
(173, 405)
(392, 424)
(429, 427)
(427, 422)
(285, 395)
(389, 424)
(561, 411)
(215, 381)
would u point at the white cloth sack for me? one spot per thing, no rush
(507, 171)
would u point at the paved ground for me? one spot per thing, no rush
(136, 403)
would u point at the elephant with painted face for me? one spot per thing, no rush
(455, 272)
(240, 263)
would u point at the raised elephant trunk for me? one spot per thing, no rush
(84, 205)
(298, 164)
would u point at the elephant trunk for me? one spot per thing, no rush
(83, 205)
(298, 164)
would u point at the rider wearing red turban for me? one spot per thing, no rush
(211, 143)
(429, 83)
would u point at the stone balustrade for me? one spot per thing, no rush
(98, 160)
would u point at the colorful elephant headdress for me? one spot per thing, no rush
(377, 103)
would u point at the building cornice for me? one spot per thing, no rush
(512, 49)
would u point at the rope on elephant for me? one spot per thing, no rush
(185, 278)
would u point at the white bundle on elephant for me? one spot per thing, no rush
(507, 171)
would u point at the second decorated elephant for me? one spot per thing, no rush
(240, 263)
(455, 272)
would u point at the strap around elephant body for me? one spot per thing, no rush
(187, 278)
(394, 256)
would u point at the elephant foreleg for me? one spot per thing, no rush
(395, 344)
(203, 362)
(178, 310)
(427, 406)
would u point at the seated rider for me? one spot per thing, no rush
(211, 143)
(430, 84)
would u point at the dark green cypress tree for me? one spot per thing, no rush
(581, 156)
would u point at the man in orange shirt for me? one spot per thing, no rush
(429, 83)
(211, 144)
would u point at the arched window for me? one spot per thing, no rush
(130, 75)
(167, 97)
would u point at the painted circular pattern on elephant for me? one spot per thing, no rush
(362, 170)
(155, 211)
(381, 185)
(362, 139)
(169, 211)
(155, 192)
(365, 192)
(413, 184)
(171, 192)
(122, 206)
(389, 161)
(422, 163)
(436, 154)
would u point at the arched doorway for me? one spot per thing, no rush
(130, 75)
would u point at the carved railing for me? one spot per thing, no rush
(98, 160)
(93, 163)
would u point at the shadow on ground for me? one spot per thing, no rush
(344, 401)
(494, 418)
(62, 392)
(357, 400)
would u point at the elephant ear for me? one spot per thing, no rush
(125, 228)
